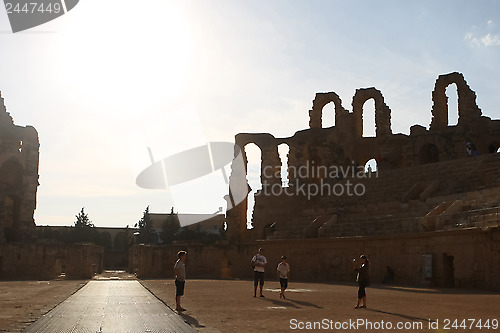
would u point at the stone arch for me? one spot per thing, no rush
(246, 159)
(371, 165)
(239, 188)
(467, 107)
(319, 102)
(428, 153)
(252, 186)
(452, 104)
(494, 147)
(471, 148)
(382, 112)
(270, 161)
(328, 116)
(284, 151)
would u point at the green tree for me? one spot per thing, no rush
(83, 229)
(170, 227)
(146, 234)
(82, 220)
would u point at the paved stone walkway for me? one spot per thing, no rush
(111, 306)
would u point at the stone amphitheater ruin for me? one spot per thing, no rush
(430, 211)
(435, 194)
(421, 178)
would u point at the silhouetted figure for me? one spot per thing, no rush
(389, 275)
(468, 148)
(180, 279)
(363, 279)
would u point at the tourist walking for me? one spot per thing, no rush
(283, 274)
(363, 279)
(180, 278)
(258, 263)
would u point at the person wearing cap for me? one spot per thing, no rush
(283, 273)
(180, 278)
(258, 263)
(363, 280)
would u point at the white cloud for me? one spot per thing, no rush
(486, 40)
(490, 40)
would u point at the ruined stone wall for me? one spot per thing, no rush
(459, 258)
(155, 261)
(394, 202)
(38, 261)
(441, 147)
(19, 155)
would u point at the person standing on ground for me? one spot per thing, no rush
(180, 279)
(363, 279)
(258, 263)
(283, 273)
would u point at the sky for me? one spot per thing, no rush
(110, 79)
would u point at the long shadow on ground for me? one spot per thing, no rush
(412, 318)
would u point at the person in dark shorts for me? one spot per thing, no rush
(180, 279)
(258, 263)
(283, 273)
(363, 279)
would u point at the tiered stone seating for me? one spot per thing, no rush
(398, 200)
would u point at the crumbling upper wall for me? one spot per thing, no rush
(467, 108)
(382, 112)
(19, 157)
(353, 121)
(343, 145)
(319, 102)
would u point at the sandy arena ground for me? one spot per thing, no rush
(228, 306)
(23, 302)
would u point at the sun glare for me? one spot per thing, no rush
(128, 59)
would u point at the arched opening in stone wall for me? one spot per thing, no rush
(10, 217)
(494, 147)
(452, 98)
(369, 118)
(371, 166)
(283, 150)
(471, 149)
(328, 115)
(429, 153)
(254, 169)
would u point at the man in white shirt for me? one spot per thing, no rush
(180, 278)
(283, 273)
(258, 263)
